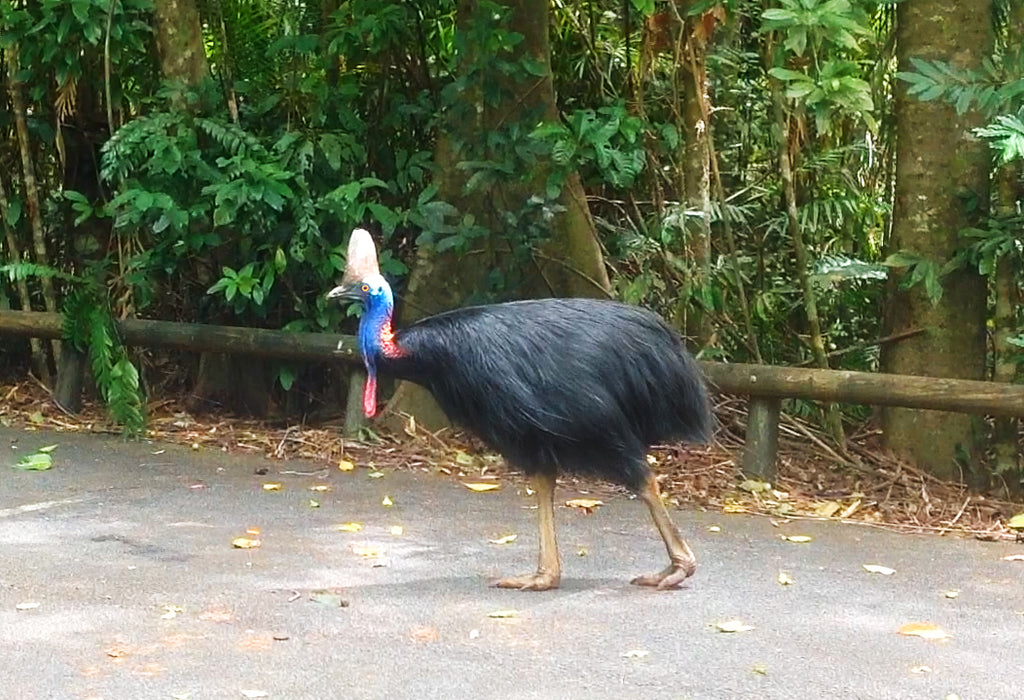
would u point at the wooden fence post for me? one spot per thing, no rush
(355, 419)
(67, 390)
(761, 449)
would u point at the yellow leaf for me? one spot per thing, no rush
(827, 509)
(345, 465)
(714, 528)
(320, 488)
(1016, 522)
(924, 630)
(581, 552)
(271, 487)
(755, 486)
(849, 510)
(785, 579)
(314, 504)
(652, 460)
(733, 626)
(636, 653)
(375, 475)
(30, 605)
(463, 458)
(503, 614)
(503, 540)
(952, 594)
(367, 550)
(387, 501)
(171, 612)
(481, 487)
(878, 569)
(397, 530)
(410, 426)
(349, 527)
(732, 507)
(799, 539)
(245, 543)
(587, 504)
(1014, 557)
(252, 531)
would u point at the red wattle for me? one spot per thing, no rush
(370, 396)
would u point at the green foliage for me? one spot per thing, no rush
(1006, 136)
(89, 326)
(918, 270)
(817, 23)
(992, 88)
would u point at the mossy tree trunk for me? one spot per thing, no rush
(568, 262)
(941, 187)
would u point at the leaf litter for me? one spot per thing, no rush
(870, 486)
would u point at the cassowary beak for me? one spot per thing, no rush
(346, 290)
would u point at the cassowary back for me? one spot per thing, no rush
(574, 384)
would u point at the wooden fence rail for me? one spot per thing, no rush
(765, 385)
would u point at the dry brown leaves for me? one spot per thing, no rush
(859, 484)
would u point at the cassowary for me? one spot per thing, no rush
(575, 385)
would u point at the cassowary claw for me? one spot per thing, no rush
(671, 577)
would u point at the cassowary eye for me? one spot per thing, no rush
(365, 287)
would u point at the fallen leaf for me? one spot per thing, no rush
(652, 460)
(270, 486)
(463, 458)
(332, 599)
(587, 505)
(345, 465)
(503, 614)
(410, 426)
(37, 417)
(245, 543)
(29, 605)
(367, 550)
(348, 527)
(921, 669)
(733, 626)
(47, 449)
(1016, 522)
(714, 528)
(755, 486)
(116, 653)
(952, 594)
(280, 637)
(734, 508)
(924, 630)
(827, 509)
(387, 501)
(785, 579)
(255, 693)
(171, 612)
(320, 487)
(879, 569)
(35, 462)
(799, 539)
(849, 510)
(375, 475)
(313, 504)
(504, 540)
(474, 634)
(397, 530)
(636, 653)
(481, 487)
(760, 669)
(581, 552)
(252, 531)
(423, 634)
(1014, 557)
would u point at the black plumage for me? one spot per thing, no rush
(575, 385)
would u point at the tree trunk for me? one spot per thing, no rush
(39, 359)
(569, 263)
(939, 167)
(179, 42)
(32, 201)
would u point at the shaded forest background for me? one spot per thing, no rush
(833, 183)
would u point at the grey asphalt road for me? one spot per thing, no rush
(126, 550)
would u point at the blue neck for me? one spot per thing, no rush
(376, 318)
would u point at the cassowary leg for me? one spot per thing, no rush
(549, 568)
(683, 563)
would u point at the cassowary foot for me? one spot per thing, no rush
(671, 577)
(539, 581)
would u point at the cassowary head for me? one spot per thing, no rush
(363, 282)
